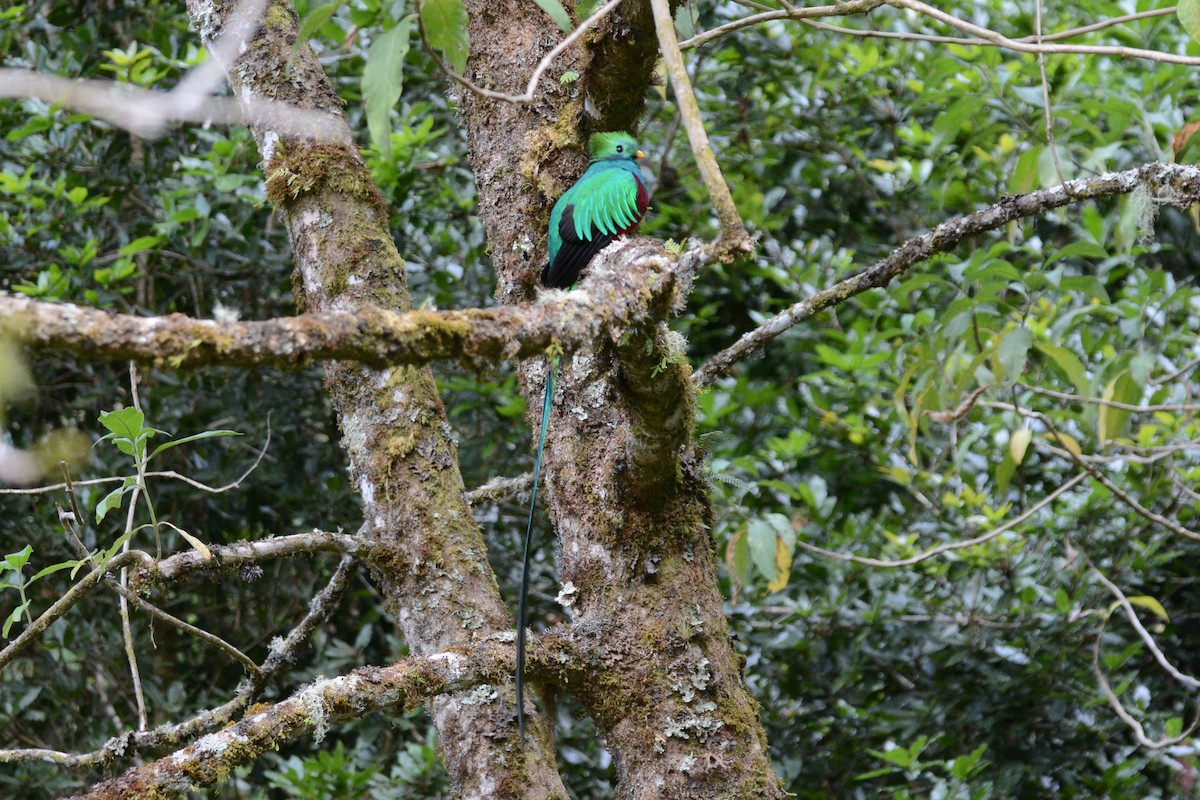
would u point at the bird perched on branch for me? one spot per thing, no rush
(608, 200)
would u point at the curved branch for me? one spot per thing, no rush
(1022, 46)
(282, 653)
(948, 546)
(816, 12)
(1178, 184)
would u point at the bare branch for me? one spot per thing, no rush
(500, 489)
(1115, 703)
(949, 546)
(815, 12)
(1178, 184)
(979, 36)
(231, 557)
(538, 72)
(1122, 495)
(1143, 634)
(147, 113)
(1099, 401)
(733, 231)
(282, 653)
(1032, 47)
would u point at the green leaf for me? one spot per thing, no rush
(686, 20)
(1110, 421)
(314, 20)
(16, 561)
(1013, 353)
(1062, 600)
(127, 422)
(962, 767)
(761, 539)
(13, 617)
(195, 437)
(1069, 363)
(140, 244)
(557, 13)
(113, 499)
(383, 82)
(1081, 249)
(899, 756)
(445, 23)
(1025, 174)
(1188, 12)
(53, 568)
(1145, 601)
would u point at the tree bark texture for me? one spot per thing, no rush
(626, 492)
(429, 553)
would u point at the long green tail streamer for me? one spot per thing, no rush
(522, 605)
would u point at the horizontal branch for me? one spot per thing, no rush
(231, 557)
(614, 298)
(310, 710)
(1174, 183)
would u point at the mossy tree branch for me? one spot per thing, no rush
(640, 293)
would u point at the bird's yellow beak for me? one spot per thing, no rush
(639, 154)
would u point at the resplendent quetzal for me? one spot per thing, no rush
(608, 200)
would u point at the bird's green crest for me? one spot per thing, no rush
(615, 144)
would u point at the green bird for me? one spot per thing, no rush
(608, 200)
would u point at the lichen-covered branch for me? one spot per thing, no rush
(311, 710)
(640, 293)
(233, 557)
(282, 653)
(1174, 183)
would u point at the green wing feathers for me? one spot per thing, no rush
(606, 203)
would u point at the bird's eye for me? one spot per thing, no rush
(620, 148)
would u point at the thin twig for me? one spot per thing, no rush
(1029, 47)
(1183, 186)
(281, 654)
(1126, 498)
(1115, 703)
(1145, 635)
(949, 546)
(64, 604)
(1144, 409)
(1046, 110)
(733, 231)
(543, 65)
(910, 36)
(839, 10)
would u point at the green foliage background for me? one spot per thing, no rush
(967, 675)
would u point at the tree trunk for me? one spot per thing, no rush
(626, 491)
(435, 573)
